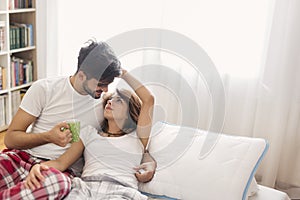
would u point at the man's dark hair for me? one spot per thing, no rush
(97, 60)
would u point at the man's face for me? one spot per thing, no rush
(95, 88)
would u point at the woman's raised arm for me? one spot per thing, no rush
(146, 114)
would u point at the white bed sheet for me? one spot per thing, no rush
(263, 193)
(266, 193)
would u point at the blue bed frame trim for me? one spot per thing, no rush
(254, 170)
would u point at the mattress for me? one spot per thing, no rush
(263, 193)
(266, 193)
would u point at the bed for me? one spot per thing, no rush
(266, 193)
(263, 193)
(224, 170)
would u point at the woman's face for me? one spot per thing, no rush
(116, 108)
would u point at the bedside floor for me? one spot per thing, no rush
(2, 134)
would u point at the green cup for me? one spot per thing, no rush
(74, 126)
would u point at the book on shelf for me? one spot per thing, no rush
(21, 35)
(13, 32)
(17, 4)
(23, 92)
(3, 110)
(21, 71)
(2, 37)
(17, 97)
(3, 78)
(16, 101)
(30, 34)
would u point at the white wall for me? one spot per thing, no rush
(47, 40)
(228, 30)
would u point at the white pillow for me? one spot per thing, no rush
(253, 188)
(225, 173)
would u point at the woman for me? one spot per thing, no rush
(112, 153)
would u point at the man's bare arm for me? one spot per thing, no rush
(17, 138)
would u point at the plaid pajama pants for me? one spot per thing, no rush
(14, 168)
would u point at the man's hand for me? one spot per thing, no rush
(145, 172)
(60, 134)
(35, 177)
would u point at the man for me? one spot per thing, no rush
(46, 105)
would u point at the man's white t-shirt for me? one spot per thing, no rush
(113, 156)
(53, 101)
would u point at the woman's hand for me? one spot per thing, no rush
(124, 71)
(145, 172)
(35, 177)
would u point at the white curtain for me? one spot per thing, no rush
(255, 45)
(278, 105)
(269, 106)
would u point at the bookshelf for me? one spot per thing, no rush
(17, 54)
